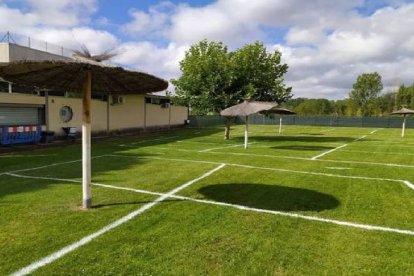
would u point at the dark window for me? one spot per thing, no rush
(4, 86)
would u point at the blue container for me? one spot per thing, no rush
(11, 135)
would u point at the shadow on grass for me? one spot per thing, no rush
(100, 166)
(270, 197)
(300, 148)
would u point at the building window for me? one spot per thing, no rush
(65, 114)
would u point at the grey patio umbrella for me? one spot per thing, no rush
(85, 76)
(247, 108)
(403, 111)
(282, 111)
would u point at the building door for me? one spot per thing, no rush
(21, 115)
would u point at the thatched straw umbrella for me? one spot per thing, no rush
(247, 108)
(86, 75)
(282, 111)
(403, 111)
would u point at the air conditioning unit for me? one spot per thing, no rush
(117, 100)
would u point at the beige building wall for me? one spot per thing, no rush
(99, 119)
(4, 52)
(157, 116)
(11, 52)
(178, 114)
(129, 114)
(15, 98)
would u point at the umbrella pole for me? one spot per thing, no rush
(246, 133)
(280, 125)
(403, 126)
(86, 141)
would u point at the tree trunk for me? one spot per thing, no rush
(227, 129)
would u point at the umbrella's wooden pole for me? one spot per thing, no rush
(403, 127)
(246, 133)
(86, 141)
(280, 125)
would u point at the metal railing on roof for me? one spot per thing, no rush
(41, 45)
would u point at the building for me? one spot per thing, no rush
(54, 110)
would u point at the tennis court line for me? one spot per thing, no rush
(147, 140)
(223, 147)
(378, 152)
(293, 157)
(62, 252)
(360, 138)
(329, 151)
(339, 147)
(50, 165)
(243, 207)
(411, 186)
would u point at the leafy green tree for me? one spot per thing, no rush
(258, 75)
(206, 78)
(405, 96)
(315, 107)
(213, 79)
(365, 92)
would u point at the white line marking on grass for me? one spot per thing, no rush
(246, 208)
(147, 140)
(62, 252)
(329, 151)
(360, 138)
(156, 139)
(225, 147)
(372, 132)
(378, 152)
(50, 165)
(409, 184)
(338, 168)
(368, 163)
(271, 169)
(295, 158)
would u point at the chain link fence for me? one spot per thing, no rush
(345, 121)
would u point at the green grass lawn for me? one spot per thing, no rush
(272, 209)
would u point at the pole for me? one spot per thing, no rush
(47, 110)
(86, 141)
(280, 125)
(403, 126)
(246, 133)
(145, 114)
(169, 115)
(107, 115)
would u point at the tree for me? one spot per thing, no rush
(258, 75)
(315, 107)
(206, 78)
(405, 96)
(365, 92)
(213, 79)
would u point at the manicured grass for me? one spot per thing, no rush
(362, 182)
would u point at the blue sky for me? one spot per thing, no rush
(326, 43)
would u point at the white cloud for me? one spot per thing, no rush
(147, 57)
(326, 43)
(62, 13)
(153, 23)
(95, 40)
